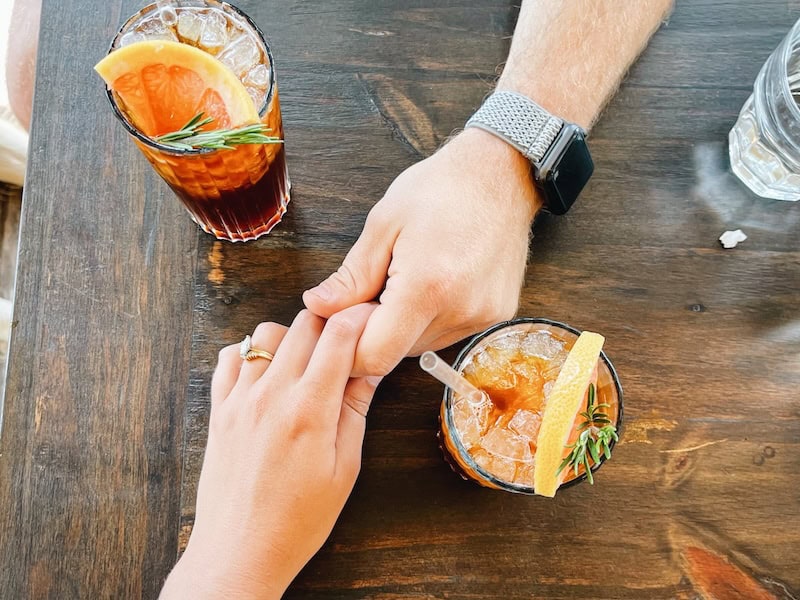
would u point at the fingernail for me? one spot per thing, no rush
(374, 380)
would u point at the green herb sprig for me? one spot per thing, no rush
(189, 137)
(596, 435)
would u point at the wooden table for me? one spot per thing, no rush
(122, 305)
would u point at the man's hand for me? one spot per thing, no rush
(445, 249)
(451, 233)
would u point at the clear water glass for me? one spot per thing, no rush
(764, 144)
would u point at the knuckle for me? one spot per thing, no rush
(501, 308)
(346, 275)
(301, 423)
(341, 327)
(266, 330)
(307, 321)
(305, 316)
(474, 312)
(495, 311)
(360, 405)
(378, 217)
(436, 292)
(377, 363)
(488, 310)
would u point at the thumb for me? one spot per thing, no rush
(361, 276)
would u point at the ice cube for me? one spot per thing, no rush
(241, 55)
(257, 95)
(190, 26)
(130, 37)
(502, 348)
(482, 411)
(467, 424)
(258, 77)
(525, 424)
(168, 15)
(499, 467)
(508, 342)
(490, 369)
(153, 28)
(504, 443)
(481, 457)
(503, 468)
(524, 473)
(542, 344)
(215, 32)
(529, 371)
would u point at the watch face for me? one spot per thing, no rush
(568, 172)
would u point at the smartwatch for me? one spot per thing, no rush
(556, 148)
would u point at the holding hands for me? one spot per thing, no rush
(444, 250)
(285, 434)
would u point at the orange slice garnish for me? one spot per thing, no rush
(563, 405)
(163, 84)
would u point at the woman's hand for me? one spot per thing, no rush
(283, 453)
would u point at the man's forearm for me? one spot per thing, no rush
(570, 55)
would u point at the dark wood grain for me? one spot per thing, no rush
(122, 307)
(97, 375)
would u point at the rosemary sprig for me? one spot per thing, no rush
(189, 137)
(596, 433)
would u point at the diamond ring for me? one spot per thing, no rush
(247, 352)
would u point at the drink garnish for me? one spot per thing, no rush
(161, 85)
(189, 137)
(563, 406)
(597, 431)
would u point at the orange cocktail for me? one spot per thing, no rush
(516, 364)
(236, 193)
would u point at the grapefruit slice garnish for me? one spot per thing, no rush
(163, 84)
(563, 405)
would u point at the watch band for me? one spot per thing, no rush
(519, 121)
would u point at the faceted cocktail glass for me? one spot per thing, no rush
(238, 194)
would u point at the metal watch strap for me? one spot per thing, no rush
(519, 121)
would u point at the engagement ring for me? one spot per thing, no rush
(247, 352)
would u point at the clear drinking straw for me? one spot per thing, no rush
(166, 12)
(434, 365)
